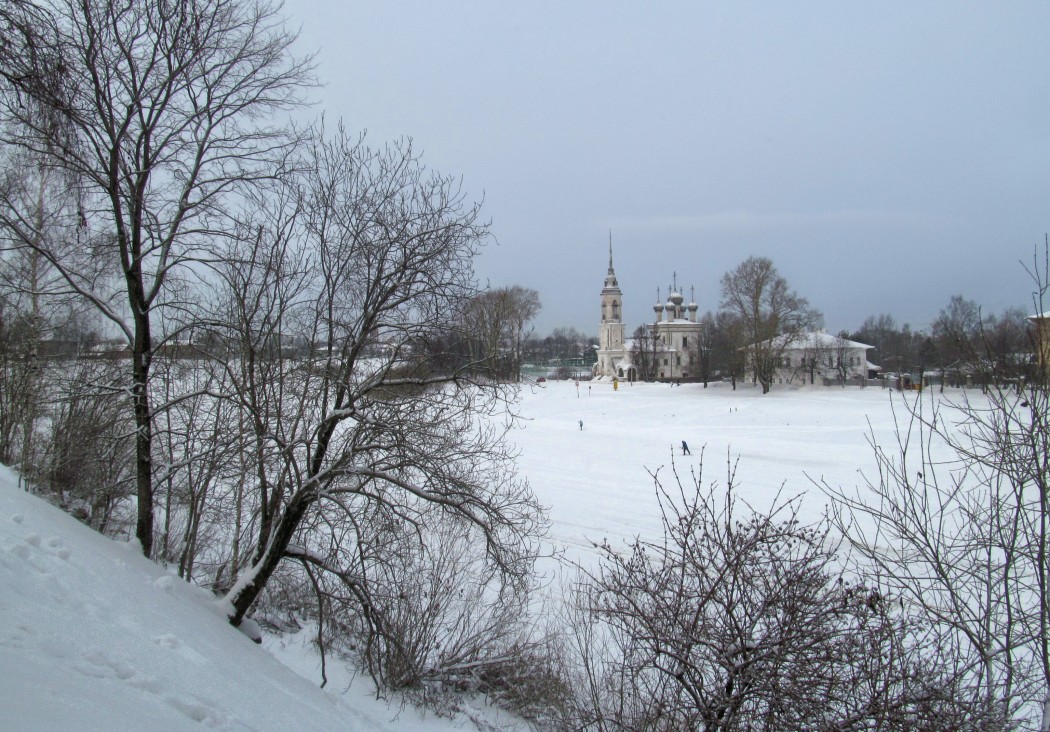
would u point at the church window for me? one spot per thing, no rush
(677, 360)
(685, 341)
(665, 362)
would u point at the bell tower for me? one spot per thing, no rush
(611, 331)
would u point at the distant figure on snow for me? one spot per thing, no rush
(581, 424)
(685, 448)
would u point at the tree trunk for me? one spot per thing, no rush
(141, 359)
(243, 596)
(143, 456)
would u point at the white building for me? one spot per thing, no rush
(673, 352)
(814, 357)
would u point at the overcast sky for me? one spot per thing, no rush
(885, 156)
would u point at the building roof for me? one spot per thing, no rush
(815, 340)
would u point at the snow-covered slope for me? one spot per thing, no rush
(94, 637)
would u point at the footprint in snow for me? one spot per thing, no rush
(197, 710)
(151, 684)
(100, 665)
(55, 542)
(188, 653)
(167, 641)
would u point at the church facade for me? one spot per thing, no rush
(669, 350)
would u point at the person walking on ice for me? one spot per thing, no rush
(581, 424)
(685, 448)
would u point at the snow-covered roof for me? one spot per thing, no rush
(816, 340)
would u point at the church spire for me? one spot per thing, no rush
(610, 278)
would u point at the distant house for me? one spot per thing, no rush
(818, 357)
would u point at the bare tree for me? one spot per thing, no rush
(741, 620)
(32, 290)
(482, 321)
(366, 255)
(957, 333)
(33, 65)
(772, 315)
(957, 522)
(523, 305)
(18, 407)
(645, 346)
(730, 345)
(840, 357)
(88, 463)
(496, 323)
(812, 360)
(1009, 344)
(159, 116)
(199, 448)
(568, 343)
(705, 348)
(897, 349)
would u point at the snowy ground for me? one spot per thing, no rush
(596, 480)
(92, 636)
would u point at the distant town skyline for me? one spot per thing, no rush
(884, 157)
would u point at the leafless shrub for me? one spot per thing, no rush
(739, 620)
(89, 456)
(418, 604)
(957, 523)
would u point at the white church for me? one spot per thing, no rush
(675, 329)
(672, 354)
